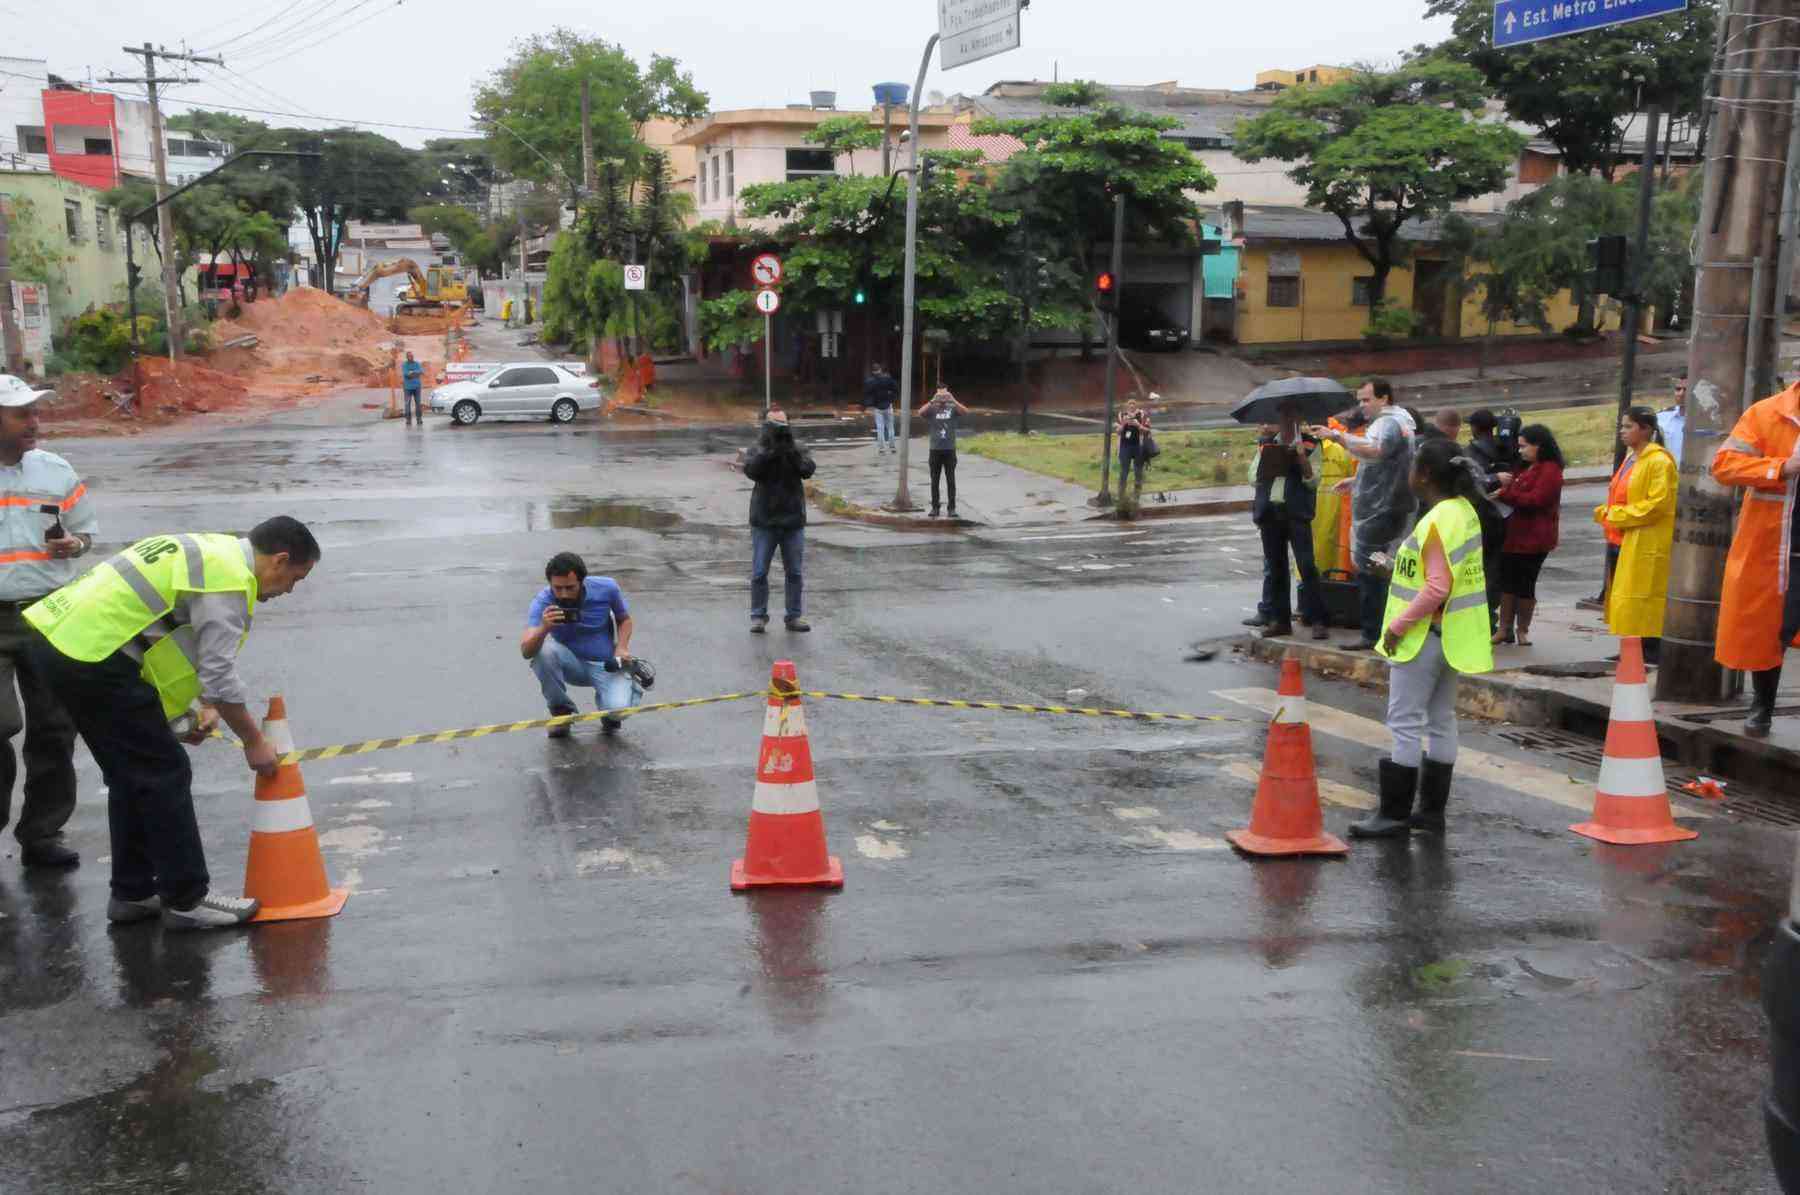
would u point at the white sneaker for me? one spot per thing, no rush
(213, 912)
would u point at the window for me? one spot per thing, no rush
(1284, 291)
(1203, 142)
(97, 147)
(32, 139)
(102, 235)
(715, 174)
(730, 174)
(72, 219)
(1362, 291)
(809, 163)
(534, 376)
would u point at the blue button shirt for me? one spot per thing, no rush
(412, 375)
(591, 636)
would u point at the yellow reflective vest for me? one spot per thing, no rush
(126, 602)
(1468, 639)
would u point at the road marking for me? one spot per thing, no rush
(374, 778)
(1330, 791)
(871, 847)
(1178, 840)
(612, 858)
(1559, 788)
(1136, 813)
(355, 841)
(1032, 539)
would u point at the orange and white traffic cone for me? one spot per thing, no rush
(786, 845)
(1631, 803)
(285, 870)
(1286, 818)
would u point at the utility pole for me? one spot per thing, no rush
(902, 499)
(1634, 287)
(1104, 497)
(165, 224)
(1735, 329)
(11, 342)
(524, 287)
(588, 178)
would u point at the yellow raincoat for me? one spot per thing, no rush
(1335, 464)
(1640, 587)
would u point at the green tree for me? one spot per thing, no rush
(482, 245)
(357, 175)
(844, 135)
(458, 170)
(1384, 147)
(534, 103)
(1059, 191)
(239, 131)
(1580, 91)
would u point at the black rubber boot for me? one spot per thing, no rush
(1762, 705)
(1434, 794)
(1390, 820)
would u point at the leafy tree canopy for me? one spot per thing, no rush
(357, 176)
(844, 135)
(1580, 90)
(534, 100)
(1383, 147)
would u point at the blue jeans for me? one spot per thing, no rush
(763, 542)
(556, 668)
(415, 405)
(884, 426)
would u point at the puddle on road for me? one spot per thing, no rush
(563, 514)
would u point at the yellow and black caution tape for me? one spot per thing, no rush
(1085, 711)
(476, 732)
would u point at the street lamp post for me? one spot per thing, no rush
(902, 499)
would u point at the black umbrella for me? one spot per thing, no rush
(1318, 399)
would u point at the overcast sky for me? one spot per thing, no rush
(415, 62)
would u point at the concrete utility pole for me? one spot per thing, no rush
(11, 341)
(588, 177)
(165, 224)
(902, 499)
(1736, 331)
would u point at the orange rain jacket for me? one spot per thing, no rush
(1757, 573)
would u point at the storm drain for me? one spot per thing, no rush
(1740, 802)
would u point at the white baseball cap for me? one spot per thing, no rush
(15, 392)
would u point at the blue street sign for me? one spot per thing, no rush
(1517, 22)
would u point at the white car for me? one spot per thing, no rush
(531, 389)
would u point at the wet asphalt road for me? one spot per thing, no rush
(1044, 972)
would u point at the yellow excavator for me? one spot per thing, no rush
(435, 289)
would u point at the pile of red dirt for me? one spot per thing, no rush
(307, 337)
(175, 387)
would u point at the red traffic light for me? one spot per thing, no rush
(1104, 282)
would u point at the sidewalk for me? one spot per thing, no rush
(988, 493)
(1563, 681)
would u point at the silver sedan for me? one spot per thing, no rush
(525, 390)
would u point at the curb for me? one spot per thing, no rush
(1526, 700)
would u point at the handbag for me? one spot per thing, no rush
(1151, 447)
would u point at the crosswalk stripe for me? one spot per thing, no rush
(1516, 775)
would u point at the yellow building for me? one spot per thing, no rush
(1300, 280)
(1277, 79)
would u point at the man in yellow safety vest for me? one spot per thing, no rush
(142, 650)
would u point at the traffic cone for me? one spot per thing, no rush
(285, 870)
(786, 845)
(1286, 819)
(1631, 803)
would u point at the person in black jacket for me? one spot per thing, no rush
(779, 467)
(880, 391)
(1287, 483)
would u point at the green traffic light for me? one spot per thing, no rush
(860, 298)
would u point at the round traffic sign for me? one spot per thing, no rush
(766, 269)
(768, 302)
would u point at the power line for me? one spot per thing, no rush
(329, 34)
(276, 10)
(303, 20)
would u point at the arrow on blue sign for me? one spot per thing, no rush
(1519, 22)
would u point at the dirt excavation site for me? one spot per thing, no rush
(305, 344)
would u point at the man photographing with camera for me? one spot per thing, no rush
(578, 632)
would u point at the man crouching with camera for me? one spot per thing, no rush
(579, 633)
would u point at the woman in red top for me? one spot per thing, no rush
(1535, 494)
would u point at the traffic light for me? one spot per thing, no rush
(1608, 258)
(860, 297)
(1105, 289)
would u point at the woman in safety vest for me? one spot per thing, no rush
(1640, 512)
(1436, 626)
